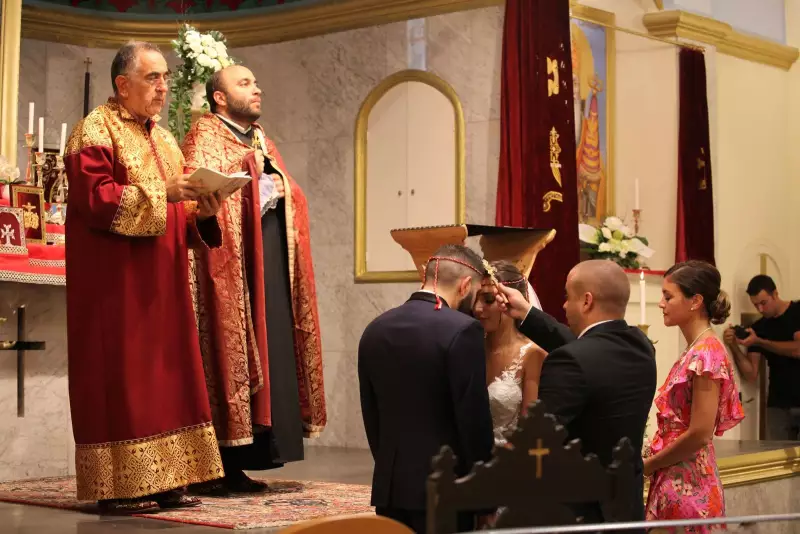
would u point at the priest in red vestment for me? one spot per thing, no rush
(138, 398)
(255, 295)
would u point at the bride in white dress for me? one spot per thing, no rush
(513, 362)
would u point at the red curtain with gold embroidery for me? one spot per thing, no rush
(537, 186)
(695, 226)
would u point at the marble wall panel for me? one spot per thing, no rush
(775, 497)
(39, 444)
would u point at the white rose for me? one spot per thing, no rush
(613, 223)
(607, 233)
(626, 231)
(197, 48)
(587, 234)
(641, 249)
(216, 65)
(210, 51)
(207, 40)
(225, 62)
(604, 247)
(203, 60)
(221, 50)
(192, 37)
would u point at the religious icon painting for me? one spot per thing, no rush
(31, 199)
(593, 50)
(12, 231)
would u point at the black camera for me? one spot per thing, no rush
(741, 332)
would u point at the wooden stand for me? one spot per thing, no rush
(517, 245)
(21, 345)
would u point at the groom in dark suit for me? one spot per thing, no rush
(599, 377)
(422, 376)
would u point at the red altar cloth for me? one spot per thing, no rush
(43, 264)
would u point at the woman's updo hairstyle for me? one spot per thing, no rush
(695, 277)
(508, 275)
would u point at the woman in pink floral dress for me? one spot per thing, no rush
(698, 400)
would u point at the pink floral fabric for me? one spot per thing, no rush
(692, 488)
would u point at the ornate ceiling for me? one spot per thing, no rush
(170, 7)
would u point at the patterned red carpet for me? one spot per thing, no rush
(287, 503)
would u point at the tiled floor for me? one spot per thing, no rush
(348, 466)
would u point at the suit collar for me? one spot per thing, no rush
(605, 326)
(427, 296)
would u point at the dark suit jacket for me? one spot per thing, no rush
(422, 376)
(600, 386)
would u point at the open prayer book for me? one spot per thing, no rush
(215, 182)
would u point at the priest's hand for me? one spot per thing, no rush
(278, 185)
(208, 206)
(179, 188)
(512, 302)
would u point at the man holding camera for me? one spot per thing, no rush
(776, 336)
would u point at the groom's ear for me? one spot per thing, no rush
(465, 286)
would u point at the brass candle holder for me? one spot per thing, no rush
(61, 182)
(29, 176)
(39, 169)
(636, 214)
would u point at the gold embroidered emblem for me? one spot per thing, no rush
(551, 196)
(555, 153)
(552, 84)
(701, 164)
(30, 218)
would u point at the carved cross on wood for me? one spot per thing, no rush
(540, 452)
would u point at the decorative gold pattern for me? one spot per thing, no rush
(31, 278)
(701, 164)
(360, 149)
(220, 274)
(552, 83)
(681, 24)
(149, 159)
(555, 153)
(249, 29)
(549, 197)
(47, 263)
(130, 469)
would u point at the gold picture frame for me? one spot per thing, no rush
(361, 273)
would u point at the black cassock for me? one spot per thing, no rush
(282, 443)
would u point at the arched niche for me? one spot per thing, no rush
(409, 169)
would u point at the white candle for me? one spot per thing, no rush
(636, 200)
(642, 298)
(41, 134)
(30, 118)
(63, 138)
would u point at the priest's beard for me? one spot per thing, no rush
(240, 111)
(467, 303)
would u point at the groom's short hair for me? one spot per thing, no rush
(463, 261)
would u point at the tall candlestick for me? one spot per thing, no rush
(41, 134)
(30, 118)
(63, 138)
(636, 200)
(642, 298)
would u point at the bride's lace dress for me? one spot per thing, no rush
(505, 397)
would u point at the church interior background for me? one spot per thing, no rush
(316, 78)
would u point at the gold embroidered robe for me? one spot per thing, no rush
(239, 266)
(138, 399)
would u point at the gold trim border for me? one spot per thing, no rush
(269, 25)
(362, 275)
(9, 77)
(721, 35)
(759, 467)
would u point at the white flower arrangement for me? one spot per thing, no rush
(202, 54)
(614, 241)
(8, 173)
